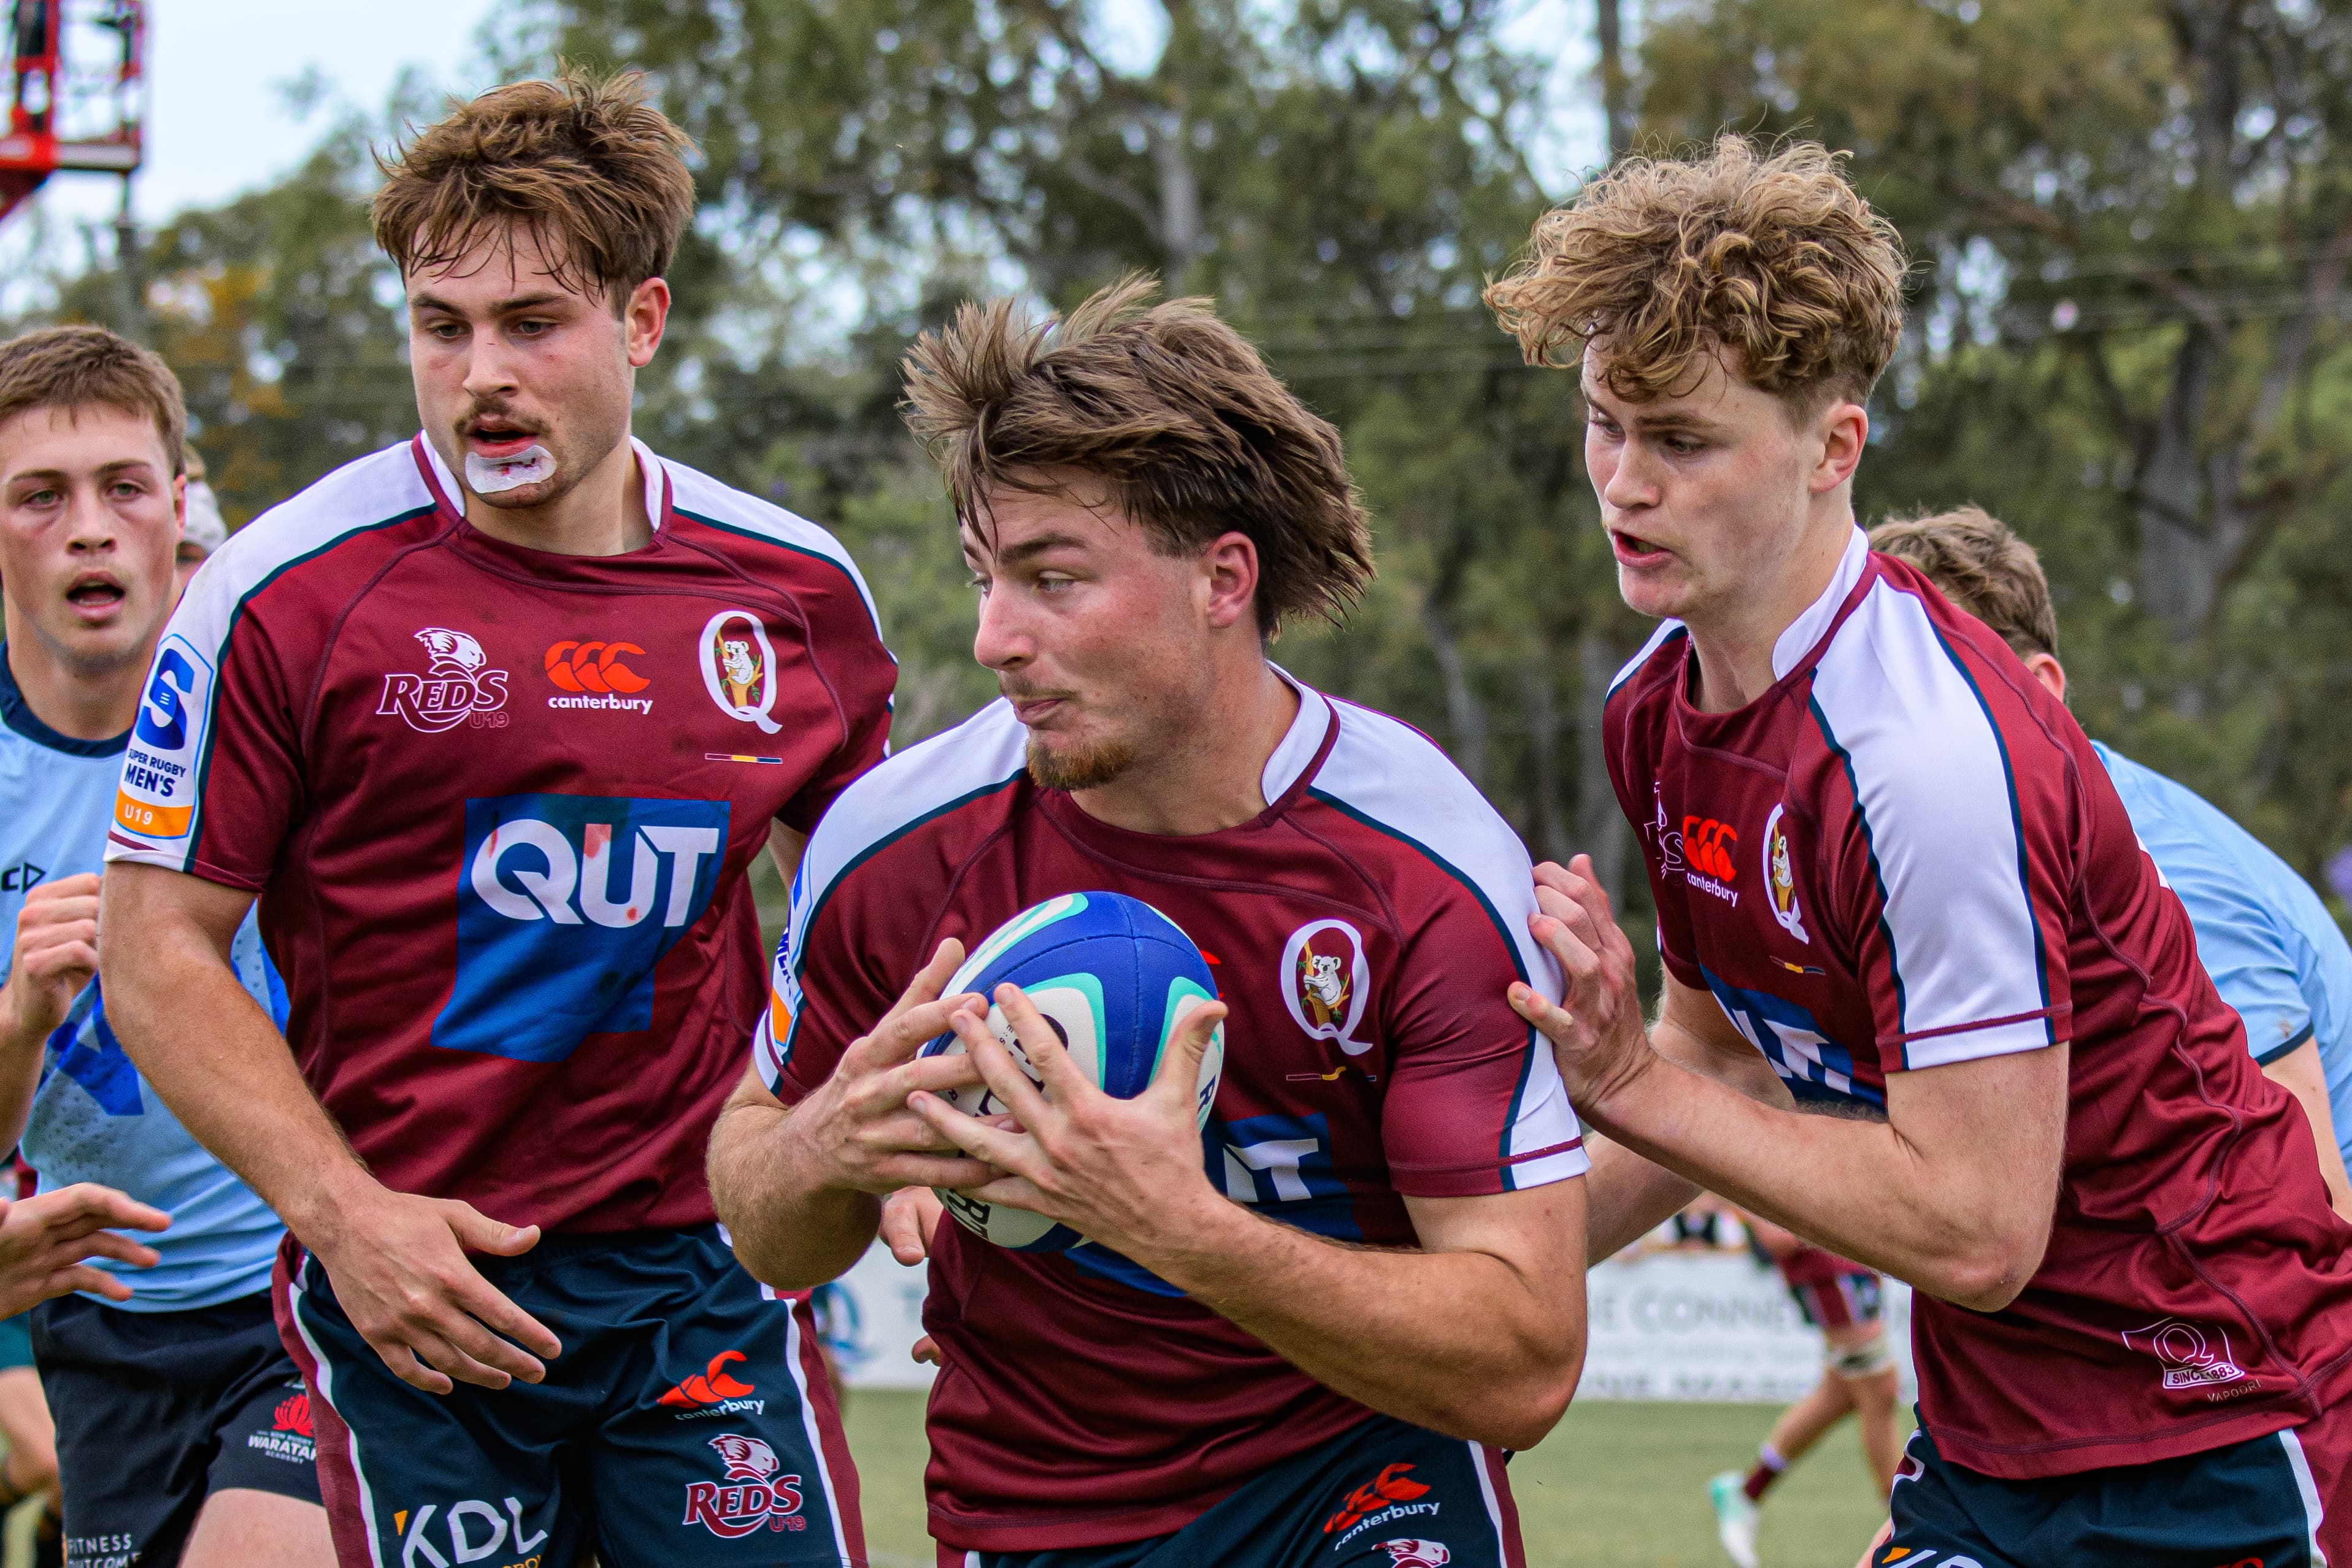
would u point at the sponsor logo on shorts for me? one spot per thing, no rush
(289, 1436)
(714, 1391)
(2193, 1356)
(751, 1495)
(1390, 1498)
(455, 688)
(739, 669)
(1328, 981)
(594, 677)
(101, 1551)
(1418, 1553)
(474, 1529)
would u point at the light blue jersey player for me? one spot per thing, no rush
(183, 1433)
(93, 1118)
(2274, 951)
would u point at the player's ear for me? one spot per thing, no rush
(1229, 575)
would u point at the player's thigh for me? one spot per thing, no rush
(729, 1448)
(1383, 1495)
(25, 1423)
(134, 1431)
(2247, 1503)
(475, 1475)
(238, 1528)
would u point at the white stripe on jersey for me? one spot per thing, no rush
(984, 751)
(1657, 640)
(1932, 785)
(1798, 637)
(1384, 769)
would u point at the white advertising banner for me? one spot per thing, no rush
(1672, 1325)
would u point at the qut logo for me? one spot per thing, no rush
(565, 903)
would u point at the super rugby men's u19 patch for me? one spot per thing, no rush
(565, 903)
(157, 798)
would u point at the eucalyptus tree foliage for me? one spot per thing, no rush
(2162, 186)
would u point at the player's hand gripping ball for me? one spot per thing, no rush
(1114, 978)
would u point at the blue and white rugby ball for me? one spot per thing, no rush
(1115, 978)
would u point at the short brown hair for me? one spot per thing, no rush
(81, 367)
(1771, 255)
(1169, 405)
(595, 174)
(1977, 562)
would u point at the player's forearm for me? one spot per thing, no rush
(1463, 1342)
(212, 1054)
(790, 1230)
(1628, 1196)
(21, 1053)
(1857, 1187)
(2299, 1072)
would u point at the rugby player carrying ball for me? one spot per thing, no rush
(1888, 861)
(1310, 1348)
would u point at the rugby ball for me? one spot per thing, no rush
(1114, 977)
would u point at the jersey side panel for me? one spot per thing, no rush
(1475, 1104)
(1955, 869)
(214, 774)
(846, 922)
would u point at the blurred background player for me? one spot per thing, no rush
(1887, 861)
(182, 1430)
(461, 727)
(204, 530)
(1844, 1302)
(1317, 1359)
(2274, 951)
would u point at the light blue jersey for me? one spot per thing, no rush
(2274, 951)
(94, 1118)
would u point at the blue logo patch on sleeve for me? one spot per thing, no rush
(565, 903)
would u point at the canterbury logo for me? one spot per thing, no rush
(1388, 1487)
(594, 667)
(1708, 846)
(709, 1386)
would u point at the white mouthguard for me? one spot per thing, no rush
(527, 467)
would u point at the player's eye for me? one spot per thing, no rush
(978, 583)
(126, 489)
(1683, 445)
(1054, 583)
(532, 329)
(446, 331)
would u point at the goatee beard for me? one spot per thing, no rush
(1078, 767)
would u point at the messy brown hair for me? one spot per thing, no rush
(1769, 254)
(1168, 407)
(1979, 564)
(591, 172)
(85, 367)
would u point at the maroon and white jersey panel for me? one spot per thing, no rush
(1362, 930)
(498, 805)
(1905, 855)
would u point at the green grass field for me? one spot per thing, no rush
(1617, 1486)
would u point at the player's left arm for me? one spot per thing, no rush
(1479, 1334)
(1954, 1192)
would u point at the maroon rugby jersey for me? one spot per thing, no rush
(1362, 931)
(499, 803)
(1904, 855)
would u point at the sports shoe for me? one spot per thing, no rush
(1734, 1517)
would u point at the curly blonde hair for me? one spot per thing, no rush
(1770, 254)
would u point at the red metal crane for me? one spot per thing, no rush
(69, 109)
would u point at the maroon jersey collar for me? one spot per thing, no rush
(1795, 651)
